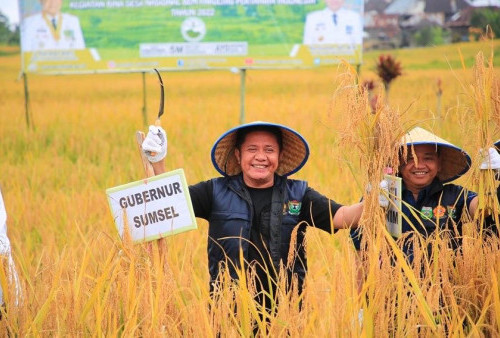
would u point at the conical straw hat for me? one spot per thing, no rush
(294, 153)
(454, 161)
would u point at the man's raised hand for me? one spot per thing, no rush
(155, 144)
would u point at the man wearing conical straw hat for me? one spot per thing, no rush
(254, 207)
(431, 162)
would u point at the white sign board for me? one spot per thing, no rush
(394, 211)
(157, 207)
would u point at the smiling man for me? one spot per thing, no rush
(430, 163)
(254, 209)
(419, 171)
(430, 202)
(258, 154)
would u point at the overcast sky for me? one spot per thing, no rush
(11, 9)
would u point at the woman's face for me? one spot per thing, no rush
(259, 158)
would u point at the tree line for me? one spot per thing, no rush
(8, 36)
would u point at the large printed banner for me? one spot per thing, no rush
(81, 36)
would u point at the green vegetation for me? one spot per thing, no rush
(431, 36)
(484, 16)
(439, 57)
(7, 36)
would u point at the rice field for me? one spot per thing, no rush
(79, 279)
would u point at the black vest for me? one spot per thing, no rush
(231, 221)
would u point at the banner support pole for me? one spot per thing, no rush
(243, 73)
(26, 100)
(144, 104)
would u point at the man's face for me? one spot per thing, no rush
(334, 5)
(259, 158)
(51, 7)
(419, 171)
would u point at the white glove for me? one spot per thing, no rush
(154, 145)
(491, 159)
(383, 194)
(383, 199)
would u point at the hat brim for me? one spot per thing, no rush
(455, 162)
(294, 153)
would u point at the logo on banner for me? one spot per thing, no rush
(193, 29)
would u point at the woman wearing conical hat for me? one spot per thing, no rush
(254, 207)
(428, 203)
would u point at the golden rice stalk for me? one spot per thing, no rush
(416, 289)
(78, 287)
(484, 95)
(159, 274)
(101, 282)
(376, 134)
(496, 296)
(4, 284)
(35, 328)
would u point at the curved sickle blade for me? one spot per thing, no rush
(162, 97)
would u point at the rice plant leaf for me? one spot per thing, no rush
(105, 276)
(44, 309)
(462, 61)
(421, 302)
(496, 297)
(3, 279)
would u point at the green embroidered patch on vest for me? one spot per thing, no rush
(294, 207)
(426, 212)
